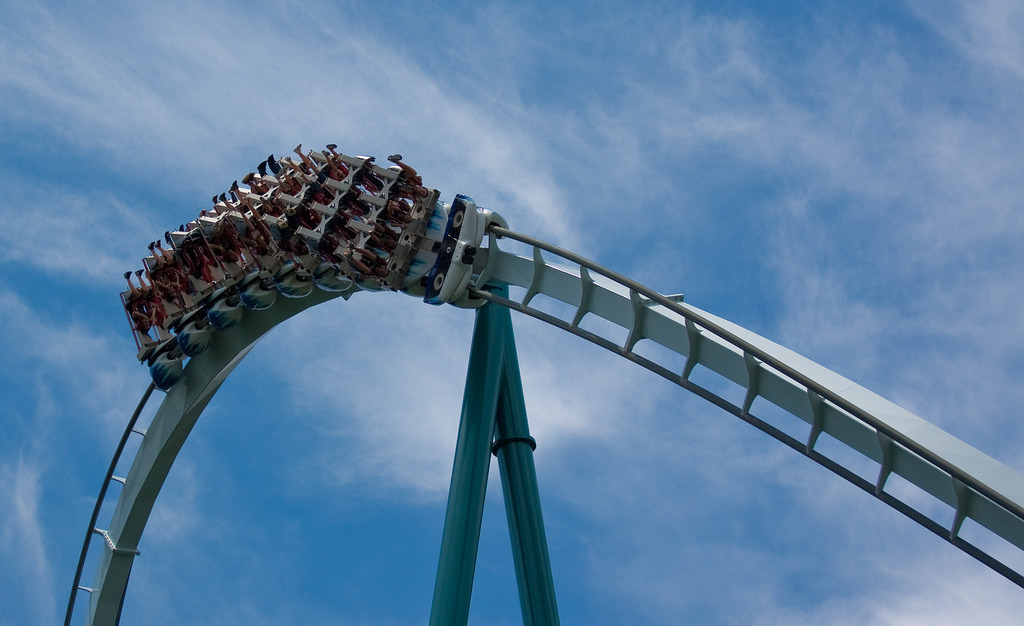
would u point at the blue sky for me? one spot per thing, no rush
(844, 178)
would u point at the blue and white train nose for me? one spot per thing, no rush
(449, 277)
(165, 371)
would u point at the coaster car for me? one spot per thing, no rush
(293, 281)
(450, 275)
(195, 335)
(165, 370)
(329, 278)
(224, 310)
(377, 229)
(259, 292)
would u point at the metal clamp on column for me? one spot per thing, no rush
(499, 443)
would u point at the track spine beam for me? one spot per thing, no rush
(971, 483)
(863, 421)
(706, 323)
(803, 448)
(129, 429)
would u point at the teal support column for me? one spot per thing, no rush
(514, 449)
(493, 402)
(461, 536)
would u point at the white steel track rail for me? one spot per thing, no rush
(972, 484)
(163, 439)
(92, 529)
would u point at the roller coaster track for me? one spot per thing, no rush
(971, 484)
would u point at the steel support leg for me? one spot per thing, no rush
(493, 400)
(461, 535)
(514, 449)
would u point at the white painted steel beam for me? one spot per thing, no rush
(974, 485)
(163, 440)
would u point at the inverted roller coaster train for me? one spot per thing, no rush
(325, 224)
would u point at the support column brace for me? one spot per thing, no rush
(493, 405)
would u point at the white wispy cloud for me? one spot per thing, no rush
(885, 226)
(66, 234)
(926, 595)
(935, 180)
(936, 599)
(988, 32)
(200, 100)
(23, 541)
(74, 363)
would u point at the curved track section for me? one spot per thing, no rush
(163, 440)
(973, 485)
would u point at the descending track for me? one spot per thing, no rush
(971, 484)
